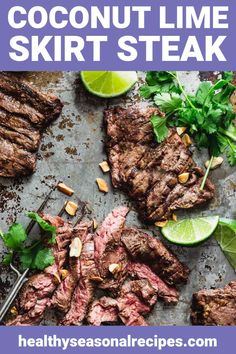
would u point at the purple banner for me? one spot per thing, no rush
(117, 35)
(86, 340)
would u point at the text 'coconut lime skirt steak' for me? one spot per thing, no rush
(149, 172)
(24, 113)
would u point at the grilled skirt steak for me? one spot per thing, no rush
(24, 113)
(215, 307)
(148, 249)
(148, 172)
(103, 310)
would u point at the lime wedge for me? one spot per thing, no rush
(189, 232)
(108, 83)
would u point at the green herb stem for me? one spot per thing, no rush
(206, 174)
(228, 134)
(176, 76)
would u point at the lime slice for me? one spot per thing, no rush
(108, 83)
(189, 232)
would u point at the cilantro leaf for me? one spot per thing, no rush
(160, 128)
(26, 258)
(43, 259)
(44, 225)
(168, 102)
(147, 91)
(36, 257)
(231, 154)
(156, 77)
(202, 92)
(15, 237)
(8, 259)
(228, 75)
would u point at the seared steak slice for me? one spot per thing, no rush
(142, 289)
(141, 271)
(108, 249)
(131, 310)
(62, 296)
(33, 317)
(84, 292)
(116, 255)
(103, 310)
(215, 307)
(147, 171)
(24, 112)
(34, 298)
(109, 232)
(146, 248)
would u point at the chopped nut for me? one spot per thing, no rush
(216, 162)
(64, 273)
(75, 247)
(174, 217)
(71, 208)
(96, 278)
(161, 223)
(64, 189)
(14, 311)
(56, 278)
(186, 140)
(183, 177)
(104, 166)
(114, 268)
(95, 224)
(180, 130)
(102, 185)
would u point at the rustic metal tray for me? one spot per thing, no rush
(71, 150)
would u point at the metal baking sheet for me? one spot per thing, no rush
(71, 150)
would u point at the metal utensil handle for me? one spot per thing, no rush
(12, 294)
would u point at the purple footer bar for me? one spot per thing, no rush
(114, 339)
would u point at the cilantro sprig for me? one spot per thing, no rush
(208, 115)
(35, 256)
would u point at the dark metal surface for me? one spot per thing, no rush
(71, 150)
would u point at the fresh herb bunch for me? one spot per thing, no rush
(35, 256)
(208, 115)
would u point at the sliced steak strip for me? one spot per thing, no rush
(109, 232)
(33, 317)
(62, 296)
(142, 289)
(141, 271)
(34, 298)
(215, 307)
(131, 310)
(146, 248)
(148, 172)
(84, 292)
(102, 311)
